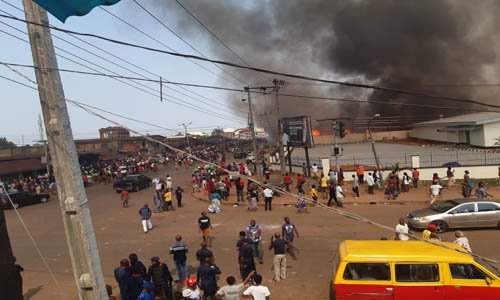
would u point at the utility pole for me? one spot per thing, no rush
(251, 125)
(281, 151)
(187, 135)
(43, 140)
(377, 161)
(73, 200)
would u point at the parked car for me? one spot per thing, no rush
(463, 213)
(27, 198)
(132, 183)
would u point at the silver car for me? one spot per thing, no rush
(465, 213)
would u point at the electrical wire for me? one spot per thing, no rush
(260, 70)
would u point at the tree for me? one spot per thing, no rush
(217, 132)
(4, 143)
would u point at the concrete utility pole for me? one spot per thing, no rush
(377, 161)
(72, 197)
(281, 151)
(251, 124)
(187, 135)
(45, 145)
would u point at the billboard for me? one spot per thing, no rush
(297, 131)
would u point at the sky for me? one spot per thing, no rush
(21, 107)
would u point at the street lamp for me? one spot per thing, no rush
(377, 162)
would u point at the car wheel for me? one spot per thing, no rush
(44, 200)
(441, 226)
(15, 205)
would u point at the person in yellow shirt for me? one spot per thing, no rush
(323, 185)
(167, 198)
(314, 194)
(427, 233)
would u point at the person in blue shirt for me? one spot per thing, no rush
(147, 291)
(207, 278)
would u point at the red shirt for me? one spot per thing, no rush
(287, 179)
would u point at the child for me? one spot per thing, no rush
(314, 194)
(301, 204)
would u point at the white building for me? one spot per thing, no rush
(477, 129)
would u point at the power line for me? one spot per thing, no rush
(182, 39)
(260, 70)
(211, 33)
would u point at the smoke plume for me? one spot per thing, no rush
(416, 45)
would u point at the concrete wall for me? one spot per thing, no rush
(434, 133)
(361, 137)
(477, 137)
(491, 133)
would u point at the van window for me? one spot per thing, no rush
(466, 271)
(367, 271)
(417, 272)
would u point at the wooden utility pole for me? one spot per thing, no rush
(72, 197)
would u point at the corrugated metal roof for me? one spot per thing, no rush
(468, 119)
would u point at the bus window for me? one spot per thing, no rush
(417, 272)
(367, 271)
(466, 271)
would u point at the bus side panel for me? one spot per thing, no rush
(363, 292)
(471, 292)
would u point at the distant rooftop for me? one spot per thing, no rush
(467, 119)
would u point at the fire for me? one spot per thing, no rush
(316, 132)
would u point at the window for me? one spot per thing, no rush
(487, 207)
(417, 273)
(466, 271)
(367, 271)
(466, 208)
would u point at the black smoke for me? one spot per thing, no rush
(407, 44)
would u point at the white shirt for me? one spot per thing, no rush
(435, 188)
(268, 193)
(464, 242)
(315, 168)
(258, 292)
(192, 295)
(339, 192)
(402, 232)
(231, 292)
(370, 181)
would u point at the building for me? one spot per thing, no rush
(114, 132)
(476, 129)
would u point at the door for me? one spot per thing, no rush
(463, 216)
(416, 281)
(365, 281)
(468, 282)
(488, 214)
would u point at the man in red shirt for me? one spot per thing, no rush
(415, 175)
(124, 198)
(287, 180)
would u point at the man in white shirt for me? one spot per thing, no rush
(435, 189)
(339, 192)
(257, 291)
(402, 230)
(232, 291)
(268, 197)
(169, 182)
(371, 183)
(315, 171)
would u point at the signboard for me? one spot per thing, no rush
(298, 131)
(415, 161)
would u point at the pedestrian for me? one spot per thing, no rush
(124, 198)
(160, 276)
(355, 187)
(300, 183)
(167, 199)
(467, 185)
(168, 182)
(360, 171)
(289, 231)
(481, 192)
(287, 181)
(245, 255)
(178, 195)
(203, 253)
(315, 171)
(268, 197)
(279, 245)
(129, 290)
(205, 226)
(301, 204)
(332, 193)
(232, 291)
(258, 291)
(192, 291)
(402, 231)
(240, 186)
(146, 214)
(323, 185)
(304, 170)
(340, 195)
(392, 187)
(207, 278)
(148, 292)
(179, 251)
(314, 194)
(435, 190)
(253, 196)
(415, 176)
(462, 241)
(254, 233)
(450, 174)
(157, 203)
(137, 269)
(370, 181)
(426, 234)
(158, 187)
(405, 185)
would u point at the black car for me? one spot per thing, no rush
(26, 198)
(132, 183)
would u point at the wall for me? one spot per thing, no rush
(361, 137)
(491, 133)
(477, 137)
(432, 133)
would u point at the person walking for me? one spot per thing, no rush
(240, 186)
(450, 174)
(332, 193)
(167, 198)
(279, 245)
(323, 185)
(405, 185)
(435, 190)
(360, 171)
(287, 181)
(257, 291)
(268, 197)
(254, 233)
(467, 185)
(124, 196)
(314, 194)
(203, 253)
(129, 290)
(205, 225)
(315, 171)
(232, 291)
(415, 176)
(146, 214)
(148, 292)
(207, 278)
(245, 255)
(137, 269)
(179, 251)
(160, 276)
(340, 195)
(288, 232)
(481, 192)
(402, 231)
(462, 241)
(178, 196)
(370, 181)
(355, 187)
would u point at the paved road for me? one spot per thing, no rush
(119, 233)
